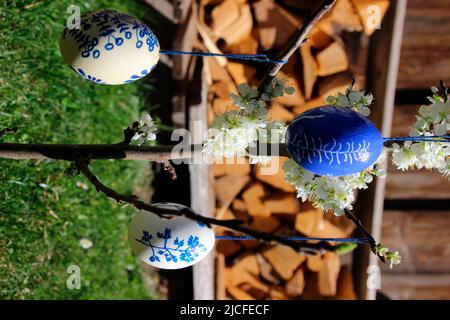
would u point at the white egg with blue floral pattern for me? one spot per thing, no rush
(110, 47)
(169, 243)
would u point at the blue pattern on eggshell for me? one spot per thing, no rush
(187, 250)
(333, 141)
(116, 28)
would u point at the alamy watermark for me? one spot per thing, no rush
(74, 279)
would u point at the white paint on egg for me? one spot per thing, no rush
(110, 47)
(169, 243)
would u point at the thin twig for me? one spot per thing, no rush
(235, 225)
(6, 131)
(295, 42)
(373, 243)
(129, 133)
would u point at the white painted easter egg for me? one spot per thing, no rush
(169, 243)
(110, 47)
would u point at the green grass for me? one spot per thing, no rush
(43, 213)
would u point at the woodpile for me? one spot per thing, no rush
(334, 54)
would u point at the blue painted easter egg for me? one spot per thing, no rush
(333, 141)
(110, 47)
(169, 243)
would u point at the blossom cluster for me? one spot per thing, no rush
(393, 257)
(236, 131)
(354, 99)
(328, 193)
(432, 120)
(145, 131)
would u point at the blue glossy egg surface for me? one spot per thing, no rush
(333, 141)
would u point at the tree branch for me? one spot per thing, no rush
(71, 152)
(6, 131)
(296, 41)
(363, 230)
(235, 225)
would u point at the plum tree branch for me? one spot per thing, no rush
(296, 41)
(235, 225)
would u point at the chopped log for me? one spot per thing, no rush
(279, 113)
(228, 187)
(277, 294)
(317, 102)
(309, 70)
(221, 105)
(240, 28)
(228, 247)
(345, 290)
(247, 263)
(332, 59)
(222, 89)
(275, 25)
(328, 274)
(239, 294)
(311, 290)
(253, 201)
(282, 203)
(240, 72)
(266, 224)
(276, 180)
(238, 274)
(220, 277)
(319, 39)
(367, 15)
(248, 45)
(343, 16)
(334, 84)
(284, 260)
(313, 224)
(240, 210)
(224, 15)
(237, 166)
(296, 284)
(266, 270)
(315, 262)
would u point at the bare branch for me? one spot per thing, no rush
(6, 131)
(363, 230)
(235, 225)
(296, 41)
(71, 152)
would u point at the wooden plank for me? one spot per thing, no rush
(202, 199)
(381, 78)
(420, 184)
(421, 237)
(411, 287)
(425, 57)
(184, 41)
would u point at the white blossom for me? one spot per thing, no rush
(353, 99)
(328, 193)
(235, 131)
(146, 131)
(86, 243)
(432, 120)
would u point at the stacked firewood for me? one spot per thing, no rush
(327, 63)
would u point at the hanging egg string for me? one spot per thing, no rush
(260, 57)
(113, 47)
(296, 238)
(442, 138)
